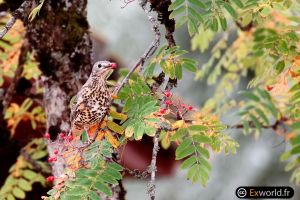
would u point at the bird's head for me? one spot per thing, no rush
(103, 69)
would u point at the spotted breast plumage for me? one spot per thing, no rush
(93, 100)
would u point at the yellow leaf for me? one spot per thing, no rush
(116, 115)
(14, 107)
(178, 124)
(100, 136)
(115, 127)
(129, 131)
(74, 161)
(112, 140)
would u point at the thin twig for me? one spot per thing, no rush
(149, 52)
(152, 168)
(15, 15)
(126, 2)
(18, 73)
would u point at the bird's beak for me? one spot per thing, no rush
(112, 66)
(109, 69)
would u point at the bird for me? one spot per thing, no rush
(93, 100)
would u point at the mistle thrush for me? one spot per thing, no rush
(93, 99)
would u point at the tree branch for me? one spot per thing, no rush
(152, 168)
(15, 15)
(162, 9)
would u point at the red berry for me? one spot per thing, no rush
(167, 93)
(52, 159)
(62, 136)
(162, 111)
(50, 179)
(183, 105)
(168, 102)
(70, 138)
(47, 136)
(269, 87)
(55, 152)
(190, 108)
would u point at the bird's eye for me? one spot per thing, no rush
(99, 65)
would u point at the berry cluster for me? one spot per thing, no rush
(168, 102)
(52, 159)
(61, 136)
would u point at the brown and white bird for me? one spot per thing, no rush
(93, 99)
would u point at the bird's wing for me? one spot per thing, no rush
(80, 104)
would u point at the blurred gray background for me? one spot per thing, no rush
(126, 34)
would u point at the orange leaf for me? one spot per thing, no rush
(112, 140)
(100, 136)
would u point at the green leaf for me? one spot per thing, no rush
(38, 155)
(29, 174)
(223, 23)
(94, 196)
(84, 136)
(78, 191)
(202, 151)
(255, 122)
(114, 173)
(198, 128)
(188, 162)
(179, 133)
(205, 163)
(295, 150)
(24, 185)
(192, 27)
(198, 3)
(214, 25)
(296, 126)
(184, 153)
(271, 108)
(115, 166)
(286, 155)
(103, 188)
(175, 4)
(249, 95)
(108, 178)
(177, 11)
(10, 197)
(202, 139)
(178, 71)
(230, 10)
(262, 115)
(181, 21)
(17, 192)
(185, 143)
(280, 66)
(238, 3)
(190, 67)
